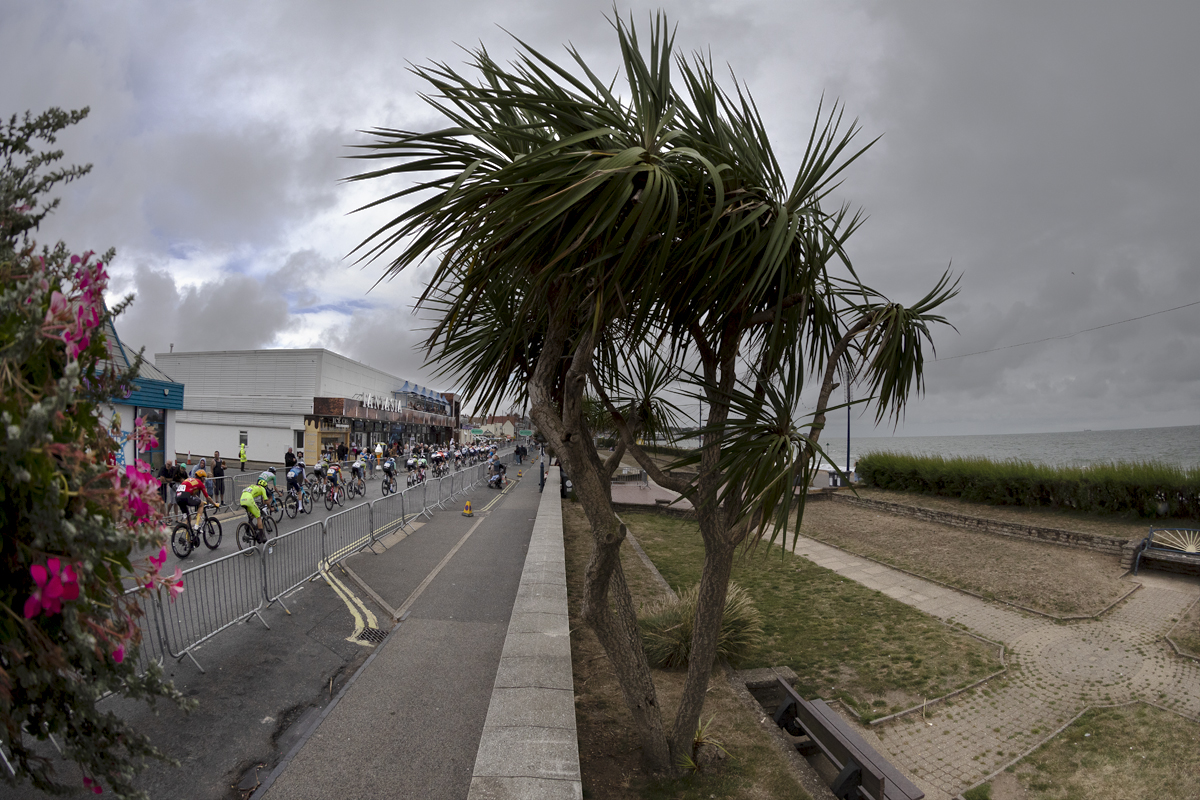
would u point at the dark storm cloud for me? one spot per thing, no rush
(1045, 150)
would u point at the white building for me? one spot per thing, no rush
(308, 400)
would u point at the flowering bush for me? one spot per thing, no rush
(69, 522)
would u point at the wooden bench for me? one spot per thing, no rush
(863, 773)
(1170, 545)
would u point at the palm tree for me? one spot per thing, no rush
(591, 243)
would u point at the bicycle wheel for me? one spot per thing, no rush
(306, 502)
(245, 537)
(212, 533)
(386, 486)
(276, 508)
(181, 540)
(329, 501)
(269, 528)
(339, 495)
(360, 486)
(291, 505)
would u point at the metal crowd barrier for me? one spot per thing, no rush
(291, 559)
(216, 595)
(232, 589)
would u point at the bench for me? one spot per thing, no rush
(863, 773)
(1169, 545)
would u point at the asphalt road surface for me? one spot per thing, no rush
(415, 713)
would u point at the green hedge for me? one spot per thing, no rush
(1146, 489)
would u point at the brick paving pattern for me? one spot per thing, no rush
(1055, 672)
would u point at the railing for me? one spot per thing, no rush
(232, 589)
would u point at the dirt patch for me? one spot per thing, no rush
(609, 750)
(1127, 528)
(1050, 578)
(1186, 634)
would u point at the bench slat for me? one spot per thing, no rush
(841, 744)
(896, 782)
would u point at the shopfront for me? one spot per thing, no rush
(363, 423)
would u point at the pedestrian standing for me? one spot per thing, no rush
(166, 488)
(289, 459)
(218, 473)
(242, 455)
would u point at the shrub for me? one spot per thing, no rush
(69, 519)
(1146, 489)
(667, 628)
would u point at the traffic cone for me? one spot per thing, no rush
(467, 512)
(519, 473)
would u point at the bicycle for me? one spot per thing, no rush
(296, 501)
(335, 494)
(247, 532)
(185, 538)
(356, 486)
(390, 484)
(275, 506)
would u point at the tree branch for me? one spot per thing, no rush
(641, 456)
(766, 317)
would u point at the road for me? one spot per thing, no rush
(264, 688)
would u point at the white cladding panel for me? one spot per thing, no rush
(289, 421)
(278, 381)
(342, 377)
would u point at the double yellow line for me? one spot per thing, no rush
(363, 616)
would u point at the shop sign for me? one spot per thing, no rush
(525, 432)
(476, 431)
(381, 403)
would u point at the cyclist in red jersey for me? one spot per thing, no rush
(187, 495)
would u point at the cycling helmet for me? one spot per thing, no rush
(271, 470)
(201, 473)
(262, 482)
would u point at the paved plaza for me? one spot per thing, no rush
(1055, 671)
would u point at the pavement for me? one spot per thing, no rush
(1055, 671)
(466, 697)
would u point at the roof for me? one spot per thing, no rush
(152, 387)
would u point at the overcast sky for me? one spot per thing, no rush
(1046, 152)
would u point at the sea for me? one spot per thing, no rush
(1179, 446)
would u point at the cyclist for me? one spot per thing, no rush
(332, 472)
(356, 469)
(251, 494)
(295, 479)
(187, 496)
(266, 479)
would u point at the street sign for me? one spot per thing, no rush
(476, 431)
(525, 432)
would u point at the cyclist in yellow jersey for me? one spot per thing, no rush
(249, 494)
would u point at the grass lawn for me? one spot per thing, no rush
(1135, 752)
(1050, 578)
(609, 751)
(844, 641)
(1187, 633)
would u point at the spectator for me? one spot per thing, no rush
(289, 459)
(342, 450)
(218, 481)
(201, 464)
(166, 488)
(242, 455)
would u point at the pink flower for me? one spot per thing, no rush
(159, 560)
(176, 584)
(54, 583)
(88, 783)
(58, 306)
(119, 654)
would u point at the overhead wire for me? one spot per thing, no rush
(1069, 335)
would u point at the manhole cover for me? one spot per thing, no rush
(372, 635)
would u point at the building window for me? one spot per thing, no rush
(299, 440)
(243, 438)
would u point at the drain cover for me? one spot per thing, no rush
(372, 635)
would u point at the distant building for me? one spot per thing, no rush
(155, 398)
(309, 399)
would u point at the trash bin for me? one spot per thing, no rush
(564, 484)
